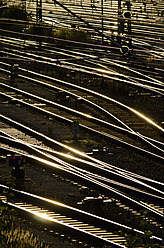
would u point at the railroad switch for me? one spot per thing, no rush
(62, 96)
(99, 150)
(92, 200)
(124, 50)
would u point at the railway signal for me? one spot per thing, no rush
(123, 18)
(124, 50)
(39, 10)
(17, 162)
(127, 14)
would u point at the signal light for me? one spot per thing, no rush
(124, 49)
(127, 14)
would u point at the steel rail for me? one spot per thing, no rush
(107, 37)
(105, 165)
(133, 70)
(102, 59)
(85, 11)
(142, 137)
(114, 42)
(86, 116)
(104, 73)
(11, 39)
(96, 163)
(107, 71)
(131, 81)
(131, 181)
(95, 183)
(149, 141)
(76, 211)
(105, 12)
(98, 95)
(67, 109)
(117, 185)
(75, 96)
(119, 18)
(61, 60)
(63, 221)
(71, 208)
(114, 139)
(98, 70)
(47, 139)
(126, 35)
(132, 78)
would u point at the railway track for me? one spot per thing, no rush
(32, 209)
(98, 180)
(61, 107)
(115, 169)
(136, 57)
(82, 88)
(145, 204)
(79, 222)
(129, 183)
(110, 15)
(76, 96)
(123, 129)
(103, 63)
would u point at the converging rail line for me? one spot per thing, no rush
(93, 179)
(151, 142)
(71, 219)
(100, 85)
(91, 130)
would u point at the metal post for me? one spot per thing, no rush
(102, 20)
(38, 10)
(119, 22)
(39, 17)
(24, 17)
(163, 229)
(129, 23)
(24, 8)
(107, 37)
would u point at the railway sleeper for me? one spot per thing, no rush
(89, 229)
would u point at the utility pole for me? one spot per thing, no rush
(129, 23)
(39, 17)
(24, 8)
(102, 19)
(119, 22)
(24, 12)
(39, 10)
